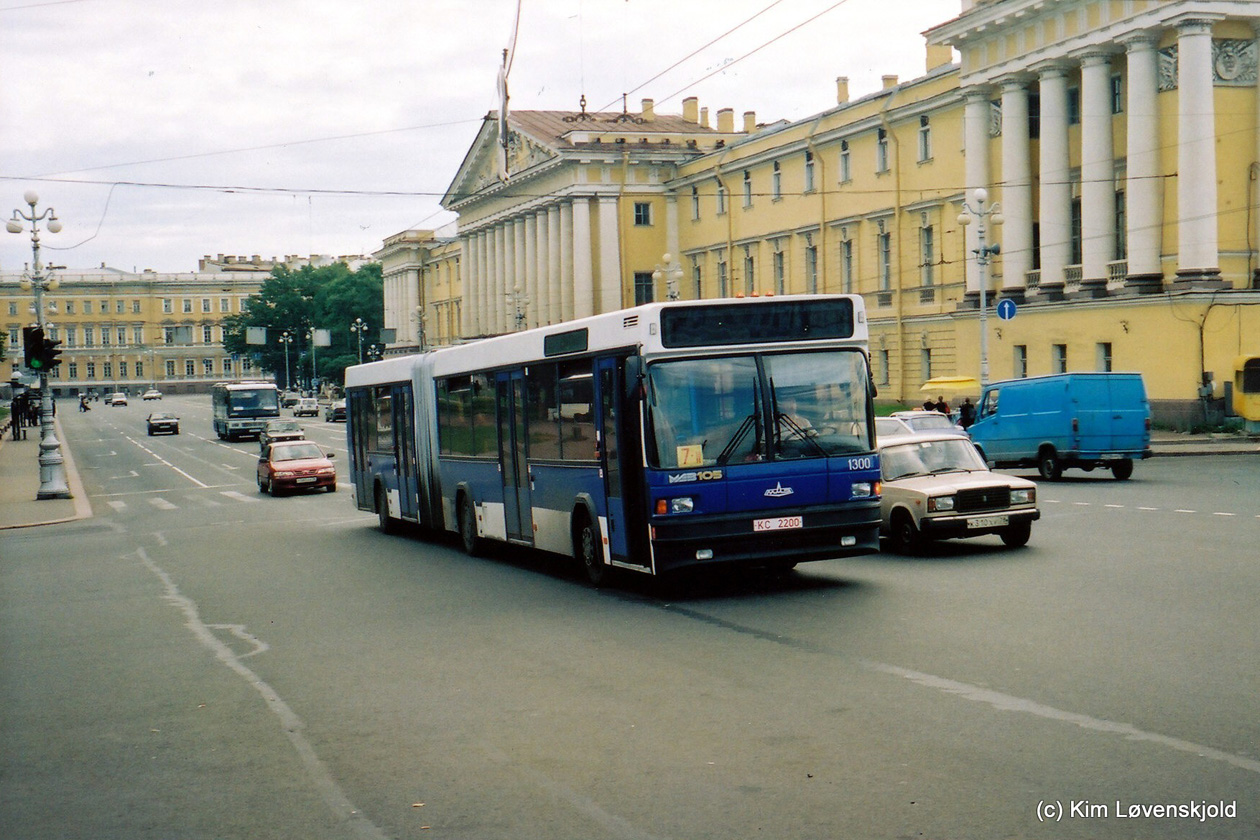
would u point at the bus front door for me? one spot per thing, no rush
(513, 452)
(612, 436)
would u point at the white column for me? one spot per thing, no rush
(1143, 185)
(1015, 235)
(502, 275)
(468, 271)
(976, 115)
(1098, 189)
(482, 303)
(609, 255)
(568, 247)
(542, 288)
(1196, 153)
(529, 251)
(555, 313)
(1056, 189)
(583, 262)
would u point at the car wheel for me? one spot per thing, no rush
(1048, 465)
(474, 546)
(150, 433)
(1016, 536)
(588, 549)
(1121, 470)
(332, 488)
(262, 485)
(906, 538)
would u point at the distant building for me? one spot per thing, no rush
(1119, 139)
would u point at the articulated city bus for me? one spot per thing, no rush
(666, 436)
(242, 409)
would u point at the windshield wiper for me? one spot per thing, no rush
(737, 438)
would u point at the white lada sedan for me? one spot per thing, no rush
(936, 486)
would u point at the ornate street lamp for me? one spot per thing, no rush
(359, 326)
(286, 338)
(984, 252)
(671, 273)
(52, 467)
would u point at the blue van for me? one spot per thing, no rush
(1083, 420)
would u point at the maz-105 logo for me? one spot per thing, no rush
(703, 475)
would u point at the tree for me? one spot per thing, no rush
(329, 298)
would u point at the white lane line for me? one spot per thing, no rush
(162, 504)
(355, 820)
(1009, 703)
(117, 504)
(240, 497)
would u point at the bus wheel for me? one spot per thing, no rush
(387, 524)
(474, 546)
(587, 550)
(1121, 470)
(1048, 465)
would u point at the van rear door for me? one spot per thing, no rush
(1091, 408)
(1130, 412)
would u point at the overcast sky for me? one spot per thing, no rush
(164, 130)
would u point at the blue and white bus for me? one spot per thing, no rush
(656, 438)
(242, 409)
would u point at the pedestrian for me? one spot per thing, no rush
(966, 413)
(941, 406)
(928, 405)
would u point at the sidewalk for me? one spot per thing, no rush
(19, 484)
(19, 473)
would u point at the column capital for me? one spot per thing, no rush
(1057, 68)
(1140, 41)
(1195, 23)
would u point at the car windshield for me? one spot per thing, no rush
(283, 426)
(930, 423)
(737, 409)
(928, 457)
(296, 452)
(161, 417)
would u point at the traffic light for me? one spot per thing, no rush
(51, 354)
(33, 347)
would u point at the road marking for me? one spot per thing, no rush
(239, 496)
(1183, 510)
(356, 821)
(117, 504)
(1114, 506)
(1221, 513)
(163, 504)
(1147, 508)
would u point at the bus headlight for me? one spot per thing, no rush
(940, 503)
(1024, 497)
(865, 489)
(683, 504)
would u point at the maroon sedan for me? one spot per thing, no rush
(295, 465)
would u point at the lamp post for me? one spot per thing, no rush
(520, 301)
(52, 467)
(310, 336)
(286, 339)
(359, 326)
(670, 272)
(984, 252)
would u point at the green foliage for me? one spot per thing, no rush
(328, 298)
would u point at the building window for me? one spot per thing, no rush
(135, 307)
(205, 305)
(883, 247)
(695, 204)
(137, 335)
(89, 337)
(723, 291)
(87, 307)
(1104, 355)
(91, 370)
(1021, 361)
(749, 271)
(69, 332)
(207, 335)
(139, 370)
(697, 278)
(104, 307)
(925, 363)
(881, 151)
(107, 370)
(104, 336)
(73, 373)
(809, 172)
(927, 253)
(811, 269)
(846, 264)
(747, 188)
(1074, 106)
(120, 307)
(188, 306)
(13, 307)
(883, 367)
(721, 199)
(122, 370)
(207, 367)
(776, 182)
(69, 308)
(1117, 95)
(925, 139)
(170, 368)
(642, 214)
(846, 165)
(168, 306)
(780, 273)
(1122, 242)
(225, 304)
(190, 367)
(1034, 114)
(1076, 231)
(1059, 356)
(643, 289)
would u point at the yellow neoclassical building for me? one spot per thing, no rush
(1108, 148)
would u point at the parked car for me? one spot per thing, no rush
(277, 430)
(289, 465)
(306, 407)
(160, 423)
(1083, 420)
(151, 394)
(288, 399)
(334, 411)
(913, 422)
(936, 486)
(117, 398)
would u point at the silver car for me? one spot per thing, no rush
(936, 486)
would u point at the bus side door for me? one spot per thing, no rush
(405, 451)
(513, 455)
(613, 454)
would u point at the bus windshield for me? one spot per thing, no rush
(757, 407)
(253, 402)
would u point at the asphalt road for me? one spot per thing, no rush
(201, 661)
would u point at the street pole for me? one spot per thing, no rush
(52, 467)
(359, 327)
(286, 339)
(310, 335)
(984, 253)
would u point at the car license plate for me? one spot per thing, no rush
(988, 522)
(307, 480)
(778, 523)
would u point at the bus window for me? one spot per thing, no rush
(544, 412)
(577, 411)
(381, 431)
(705, 412)
(485, 433)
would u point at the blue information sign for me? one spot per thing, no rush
(1006, 309)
